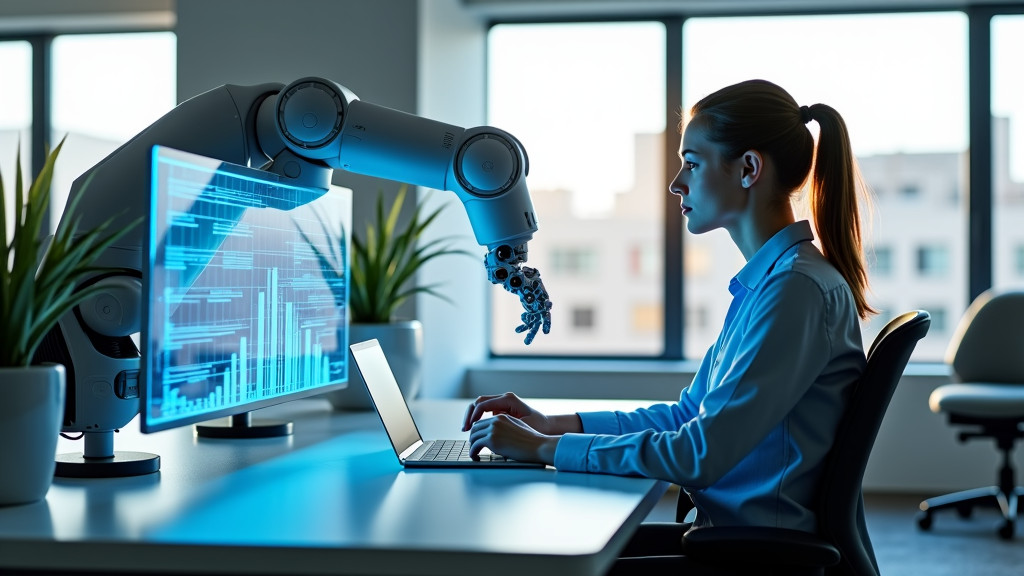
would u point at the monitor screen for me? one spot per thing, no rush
(247, 288)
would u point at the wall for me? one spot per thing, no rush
(369, 47)
(451, 88)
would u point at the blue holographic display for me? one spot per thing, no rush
(247, 289)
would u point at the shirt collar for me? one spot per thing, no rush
(767, 255)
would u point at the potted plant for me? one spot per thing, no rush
(37, 287)
(383, 276)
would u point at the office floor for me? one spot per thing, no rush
(953, 547)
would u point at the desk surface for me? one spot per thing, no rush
(330, 499)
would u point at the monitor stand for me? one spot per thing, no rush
(99, 460)
(243, 426)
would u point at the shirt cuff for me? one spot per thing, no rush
(600, 422)
(571, 452)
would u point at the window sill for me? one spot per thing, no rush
(610, 379)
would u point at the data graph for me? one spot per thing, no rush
(248, 290)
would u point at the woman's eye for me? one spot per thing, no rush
(689, 165)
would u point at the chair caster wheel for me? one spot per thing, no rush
(1006, 530)
(924, 521)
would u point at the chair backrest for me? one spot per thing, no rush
(841, 504)
(988, 345)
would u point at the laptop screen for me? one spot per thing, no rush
(385, 393)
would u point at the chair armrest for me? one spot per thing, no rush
(758, 545)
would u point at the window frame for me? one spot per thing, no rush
(42, 89)
(980, 242)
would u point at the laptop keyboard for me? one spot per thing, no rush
(450, 451)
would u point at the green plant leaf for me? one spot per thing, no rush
(38, 287)
(384, 263)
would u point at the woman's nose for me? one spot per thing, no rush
(676, 186)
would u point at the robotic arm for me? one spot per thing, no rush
(301, 131)
(484, 166)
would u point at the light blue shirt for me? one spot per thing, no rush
(749, 435)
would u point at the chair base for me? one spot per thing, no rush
(965, 501)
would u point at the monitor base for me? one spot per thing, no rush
(116, 466)
(243, 426)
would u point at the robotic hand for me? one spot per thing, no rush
(302, 132)
(504, 266)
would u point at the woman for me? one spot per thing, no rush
(749, 435)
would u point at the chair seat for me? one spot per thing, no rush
(979, 399)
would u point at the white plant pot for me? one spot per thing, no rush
(31, 411)
(402, 343)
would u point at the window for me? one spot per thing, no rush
(647, 318)
(880, 262)
(587, 100)
(904, 95)
(643, 262)
(582, 318)
(99, 108)
(910, 191)
(932, 261)
(573, 261)
(892, 92)
(15, 116)
(1007, 151)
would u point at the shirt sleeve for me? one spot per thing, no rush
(782, 347)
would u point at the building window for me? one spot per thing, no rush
(647, 319)
(910, 191)
(880, 261)
(940, 319)
(583, 318)
(933, 261)
(697, 318)
(573, 261)
(643, 262)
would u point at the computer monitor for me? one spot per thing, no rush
(247, 284)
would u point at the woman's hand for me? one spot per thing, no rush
(510, 404)
(513, 438)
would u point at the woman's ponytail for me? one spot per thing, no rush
(835, 195)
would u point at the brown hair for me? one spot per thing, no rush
(759, 115)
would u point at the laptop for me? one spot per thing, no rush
(411, 449)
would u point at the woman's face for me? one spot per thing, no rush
(709, 186)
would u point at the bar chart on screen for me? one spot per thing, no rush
(248, 291)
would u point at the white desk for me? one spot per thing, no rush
(331, 499)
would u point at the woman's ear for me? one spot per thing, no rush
(753, 165)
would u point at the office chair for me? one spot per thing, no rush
(842, 546)
(986, 355)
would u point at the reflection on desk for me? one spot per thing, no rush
(331, 499)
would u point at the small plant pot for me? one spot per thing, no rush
(402, 343)
(31, 410)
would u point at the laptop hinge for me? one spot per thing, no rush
(408, 451)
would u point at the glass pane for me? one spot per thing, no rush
(588, 103)
(1008, 151)
(106, 89)
(903, 95)
(15, 117)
